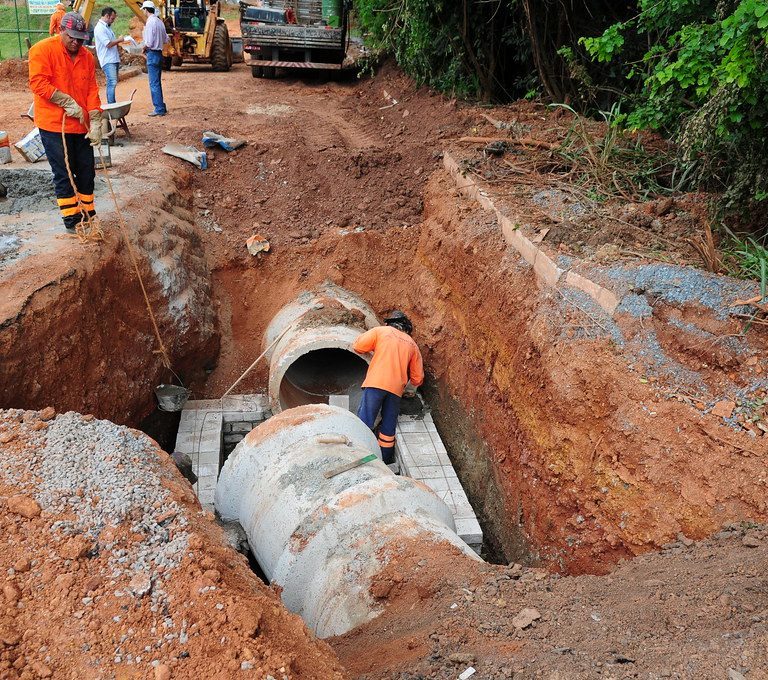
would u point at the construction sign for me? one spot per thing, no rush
(41, 6)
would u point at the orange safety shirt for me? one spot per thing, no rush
(55, 26)
(51, 68)
(396, 357)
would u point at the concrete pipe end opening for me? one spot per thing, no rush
(312, 364)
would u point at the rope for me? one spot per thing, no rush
(88, 228)
(259, 358)
(94, 232)
(124, 231)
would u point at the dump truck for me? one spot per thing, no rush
(305, 34)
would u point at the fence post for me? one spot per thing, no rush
(18, 25)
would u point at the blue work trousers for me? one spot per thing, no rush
(154, 71)
(375, 400)
(110, 72)
(81, 163)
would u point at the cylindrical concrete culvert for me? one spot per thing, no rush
(323, 540)
(314, 359)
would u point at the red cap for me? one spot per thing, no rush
(74, 26)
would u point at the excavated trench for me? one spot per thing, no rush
(543, 432)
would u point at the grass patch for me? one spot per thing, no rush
(9, 42)
(746, 258)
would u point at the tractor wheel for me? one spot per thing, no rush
(176, 61)
(221, 50)
(257, 71)
(167, 62)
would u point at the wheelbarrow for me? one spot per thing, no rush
(115, 114)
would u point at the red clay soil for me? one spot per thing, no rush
(76, 601)
(571, 456)
(696, 610)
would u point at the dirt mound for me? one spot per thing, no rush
(113, 569)
(14, 72)
(692, 611)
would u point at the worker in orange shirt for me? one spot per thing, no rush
(62, 76)
(396, 361)
(55, 24)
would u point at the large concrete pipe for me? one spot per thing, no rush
(323, 540)
(313, 357)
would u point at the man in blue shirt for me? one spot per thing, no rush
(155, 38)
(106, 50)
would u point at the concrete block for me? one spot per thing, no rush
(425, 458)
(187, 420)
(604, 297)
(547, 270)
(208, 457)
(463, 510)
(469, 531)
(253, 416)
(210, 441)
(340, 400)
(206, 471)
(233, 438)
(203, 405)
(425, 472)
(242, 427)
(439, 486)
(409, 425)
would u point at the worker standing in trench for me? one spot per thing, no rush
(62, 76)
(396, 360)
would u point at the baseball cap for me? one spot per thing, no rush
(74, 26)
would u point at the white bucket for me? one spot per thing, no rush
(5, 148)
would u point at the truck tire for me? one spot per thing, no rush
(257, 71)
(167, 62)
(221, 50)
(269, 71)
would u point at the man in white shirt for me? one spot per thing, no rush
(106, 50)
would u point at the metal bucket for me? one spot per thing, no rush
(171, 397)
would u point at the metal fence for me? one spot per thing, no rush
(15, 40)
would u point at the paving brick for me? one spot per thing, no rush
(233, 438)
(240, 427)
(411, 425)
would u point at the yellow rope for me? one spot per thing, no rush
(93, 232)
(88, 228)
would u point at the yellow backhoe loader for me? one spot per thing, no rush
(197, 33)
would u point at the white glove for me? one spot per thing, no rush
(70, 106)
(94, 132)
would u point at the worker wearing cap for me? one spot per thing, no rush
(55, 24)
(155, 37)
(62, 76)
(396, 361)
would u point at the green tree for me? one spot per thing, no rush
(703, 78)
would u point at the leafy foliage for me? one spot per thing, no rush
(470, 48)
(704, 79)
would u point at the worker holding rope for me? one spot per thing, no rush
(62, 76)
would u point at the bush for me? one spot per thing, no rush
(468, 48)
(702, 79)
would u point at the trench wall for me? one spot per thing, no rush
(80, 338)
